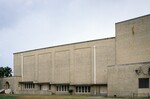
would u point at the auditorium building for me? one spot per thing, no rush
(116, 66)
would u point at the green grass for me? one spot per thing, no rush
(50, 97)
(7, 97)
(57, 97)
(41, 97)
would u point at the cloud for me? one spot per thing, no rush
(30, 24)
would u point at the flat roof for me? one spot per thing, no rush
(133, 19)
(64, 45)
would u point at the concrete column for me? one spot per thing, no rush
(53, 89)
(53, 66)
(71, 65)
(22, 66)
(93, 90)
(73, 88)
(94, 63)
(36, 68)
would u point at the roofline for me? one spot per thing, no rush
(65, 45)
(125, 64)
(133, 19)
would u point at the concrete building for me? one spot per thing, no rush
(131, 72)
(57, 69)
(117, 66)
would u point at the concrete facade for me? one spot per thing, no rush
(117, 66)
(132, 59)
(124, 81)
(11, 83)
(72, 66)
(132, 39)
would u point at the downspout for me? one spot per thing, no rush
(94, 67)
(22, 66)
(94, 63)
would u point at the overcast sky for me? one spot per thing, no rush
(32, 24)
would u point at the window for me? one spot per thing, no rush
(89, 89)
(29, 86)
(62, 87)
(40, 87)
(83, 89)
(49, 87)
(65, 88)
(143, 82)
(57, 88)
(79, 88)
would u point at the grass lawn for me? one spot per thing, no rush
(57, 97)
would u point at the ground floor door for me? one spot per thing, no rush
(101, 90)
(98, 90)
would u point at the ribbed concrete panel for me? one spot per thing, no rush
(62, 66)
(44, 67)
(17, 65)
(105, 56)
(83, 66)
(28, 68)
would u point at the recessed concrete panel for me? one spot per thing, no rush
(28, 68)
(45, 67)
(83, 66)
(17, 65)
(62, 66)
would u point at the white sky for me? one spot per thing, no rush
(32, 24)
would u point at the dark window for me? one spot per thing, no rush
(85, 88)
(33, 86)
(57, 88)
(89, 89)
(76, 89)
(62, 87)
(29, 86)
(79, 88)
(143, 82)
(40, 87)
(82, 88)
(67, 87)
(49, 87)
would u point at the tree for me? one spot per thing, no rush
(5, 72)
(1, 71)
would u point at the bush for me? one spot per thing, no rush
(71, 91)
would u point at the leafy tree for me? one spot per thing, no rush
(1, 71)
(5, 72)
(8, 71)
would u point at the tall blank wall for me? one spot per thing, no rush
(45, 67)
